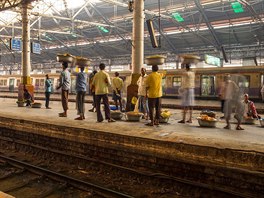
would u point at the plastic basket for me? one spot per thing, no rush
(63, 58)
(261, 121)
(116, 115)
(206, 123)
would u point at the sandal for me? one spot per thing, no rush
(227, 127)
(239, 128)
(149, 124)
(181, 121)
(62, 115)
(79, 118)
(156, 123)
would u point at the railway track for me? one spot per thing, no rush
(191, 187)
(23, 179)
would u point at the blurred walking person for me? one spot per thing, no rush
(48, 86)
(233, 100)
(154, 94)
(81, 83)
(262, 92)
(64, 84)
(221, 94)
(188, 85)
(101, 82)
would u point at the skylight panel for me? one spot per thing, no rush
(7, 17)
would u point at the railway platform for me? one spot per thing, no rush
(172, 103)
(211, 154)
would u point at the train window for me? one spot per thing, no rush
(207, 85)
(17, 83)
(41, 82)
(244, 82)
(37, 82)
(176, 81)
(58, 82)
(3, 82)
(262, 79)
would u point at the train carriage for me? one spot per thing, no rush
(207, 81)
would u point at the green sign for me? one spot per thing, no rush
(212, 60)
(237, 7)
(177, 17)
(103, 29)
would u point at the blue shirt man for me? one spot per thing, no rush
(81, 82)
(48, 86)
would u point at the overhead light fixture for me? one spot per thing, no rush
(130, 6)
(103, 29)
(177, 17)
(237, 7)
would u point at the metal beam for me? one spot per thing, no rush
(210, 27)
(109, 23)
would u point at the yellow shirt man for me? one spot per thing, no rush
(117, 84)
(154, 85)
(101, 81)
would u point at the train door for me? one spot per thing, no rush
(11, 84)
(52, 84)
(73, 85)
(207, 85)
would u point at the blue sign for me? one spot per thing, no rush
(35, 48)
(15, 44)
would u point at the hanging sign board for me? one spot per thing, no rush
(35, 48)
(15, 44)
(212, 60)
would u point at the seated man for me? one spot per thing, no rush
(28, 98)
(249, 108)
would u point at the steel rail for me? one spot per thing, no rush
(151, 174)
(72, 181)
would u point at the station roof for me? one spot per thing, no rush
(102, 29)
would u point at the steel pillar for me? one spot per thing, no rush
(137, 50)
(138, 36)
(26, 67)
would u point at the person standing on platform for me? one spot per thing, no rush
(142, 92)
(64, 84)
(154, 94)
(262, 92)
(101, 82)
(81, 82)
(117, 87)
(233, 99)
(188, 85)
(92, 89)
(48, 86)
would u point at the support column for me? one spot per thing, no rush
(26, 65)
(137, 50)
(26, 44)
(138, 36)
